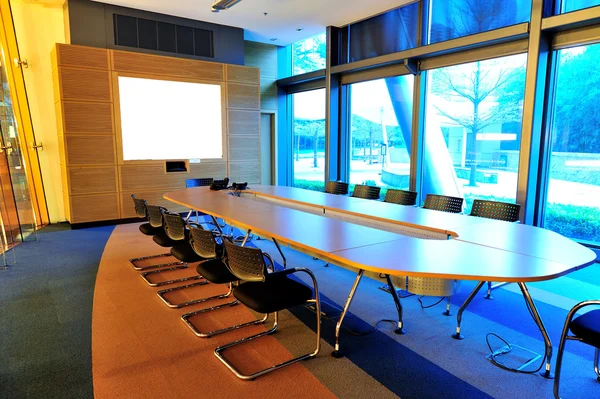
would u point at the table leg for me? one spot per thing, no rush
(216, 222)
(280, 253)
(246, 237)
(336, 353)
(399, 329)
(457, 335)
(538, 320)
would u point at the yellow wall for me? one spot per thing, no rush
(38, 29)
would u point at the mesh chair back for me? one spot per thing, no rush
(336, 187)
(140, 207)
(174, 226)
(401, 197)
(443, 203)
(198, 182)
(247, 264)
(496, 210)
(155, 215)
(202, 241)
(366, 192)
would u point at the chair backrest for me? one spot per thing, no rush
(174, 226)
(247, 264)
(202, 241)
(155, 215)
(140, 207)
(198, 182)
(443, 203)
(366, 192)
(401, 197)
(496, 210)
(336, 187)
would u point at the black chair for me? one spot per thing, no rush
(495, 210)
(586, 329)
(401, 197)
(366, 192)
(444, 203)
(267, 293)
(336, 187)
(177, 238)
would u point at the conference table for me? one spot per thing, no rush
(396, 240)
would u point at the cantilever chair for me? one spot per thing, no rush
(336, 187)
(366, 192)
(401, 197)
(495, 210)
(586, 329)
(444, 203)
(177, 236)
(267, 293)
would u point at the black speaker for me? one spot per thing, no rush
(147, 34)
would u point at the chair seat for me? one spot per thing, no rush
(163, 240)
(184, 252)
(587, 327)
(216, 272)
(274, 294)
(148, 230)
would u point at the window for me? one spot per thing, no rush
(380, 128)
(450, 19)
(572, 201)
(473, 129)
(574, 5)
(308, 140)
(309, 55)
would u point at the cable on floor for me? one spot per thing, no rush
(423, 306)
(508, 349)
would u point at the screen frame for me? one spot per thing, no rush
(117, 114)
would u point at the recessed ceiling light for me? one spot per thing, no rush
(273, 39)
(299, 29)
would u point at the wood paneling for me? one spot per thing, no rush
(88, 118)
(87, 180)
(244, 148)
(90, 150)
(268, 94)
(80, 56)
(92, 208)
(244, 122)
(85, 85)
(245, 172)
(243, 74)
(124, 61)
(243, 96)
(144, 177)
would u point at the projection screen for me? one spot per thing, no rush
(163, 119)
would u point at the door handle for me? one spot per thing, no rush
(8, 146)
(39, 146)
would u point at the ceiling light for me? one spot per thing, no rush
(220, 5)
(273, 39)
(299, 29)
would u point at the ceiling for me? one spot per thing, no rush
(283, 19)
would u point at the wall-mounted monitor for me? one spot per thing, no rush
(162, 119)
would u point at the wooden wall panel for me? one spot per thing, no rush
(245, 172)
(243, 96)
(92, 208)
(243, 122)
(242, 74)
(90, 150)
(94, 118)
(152, 176)
(80, 56)
(244, 148)
(88, 180)
(85, 85)
(124, 61)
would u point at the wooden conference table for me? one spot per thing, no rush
(458, 247)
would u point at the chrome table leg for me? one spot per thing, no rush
(246, 237)
(399, 328)
(457, 335)
(448, 303)
(596, 361)
(280, 253)
(336, 353)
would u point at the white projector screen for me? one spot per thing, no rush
(162, 119)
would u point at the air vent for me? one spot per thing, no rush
(161, 36)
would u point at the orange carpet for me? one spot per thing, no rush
(141, 348)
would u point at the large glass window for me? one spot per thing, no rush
(473, 129)
(309, 55)
(573, 198)
(450, 19)
(573, 5)
(308, 140)
(380, 132)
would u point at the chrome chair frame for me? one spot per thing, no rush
(565, 336)
(219, 350)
